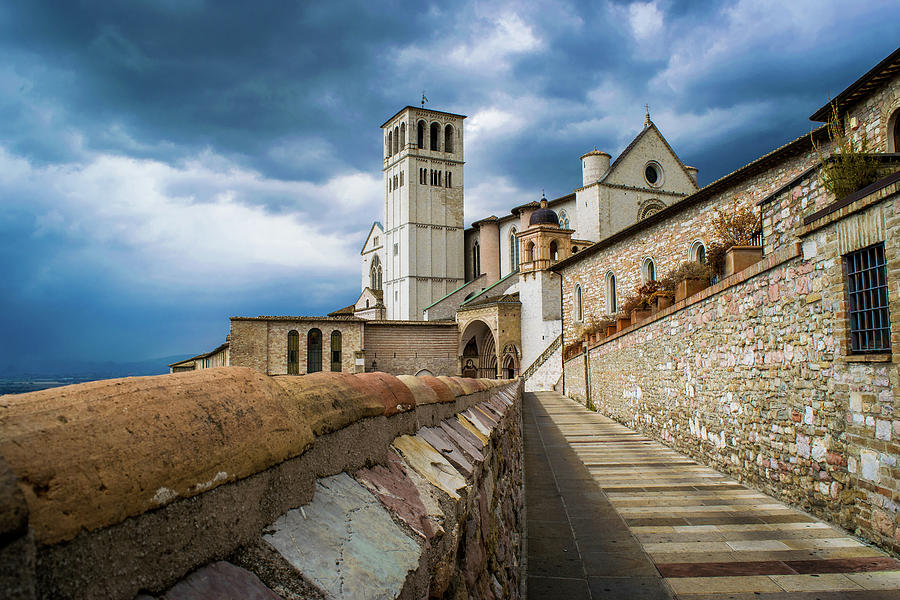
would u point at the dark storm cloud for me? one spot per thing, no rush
(167, 163)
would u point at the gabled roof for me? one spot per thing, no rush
(200, 356)
(650, 125)
(877, 75)
(489, 288)
(347, 310)
(369, 235)
(501, 299)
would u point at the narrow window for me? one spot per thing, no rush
(420, 134)
(396, 140)
(448, 138)
(529, 252)
(579, 306)
(293, 353)
(395, 182)
(396, 249)
(513, 250)
(611, 301)
(698, 252)
(476, 259)
(314, 351)
(439, 178)
(375, 274)
(554, 251)
(435, 136)
(335, 351)
(390, 148)
(448, 179)
(401, 178)
(867, 292)
(648, 270)
(402, 135)
(563, 220)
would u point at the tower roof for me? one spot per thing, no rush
(439, 112)
(544, 215)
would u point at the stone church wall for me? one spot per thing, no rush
(668, 241)
(753, 377)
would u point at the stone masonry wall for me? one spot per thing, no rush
(755, 378)
(667, 242)
(227, 483)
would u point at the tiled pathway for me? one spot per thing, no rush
(614, 514)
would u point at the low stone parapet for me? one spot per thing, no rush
(231, 484)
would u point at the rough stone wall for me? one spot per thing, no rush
(398, 487)
(351, 340)
(873, 113)
(755, 379)
(247, 344)
(668, 243)
(445, 308)
(573, 379)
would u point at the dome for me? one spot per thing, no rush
(544, 215)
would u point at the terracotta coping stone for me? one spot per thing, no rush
(92, 454)
(394, 395)
(420, 390)
(469, 386)
(327, 402)
(454, 385)
(440, 387)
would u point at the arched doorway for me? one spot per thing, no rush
(478, 356)
(510, 362)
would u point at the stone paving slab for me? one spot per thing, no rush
(645, 520)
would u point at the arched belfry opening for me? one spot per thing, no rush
(435, 136)
(420, 134)
(448, 138)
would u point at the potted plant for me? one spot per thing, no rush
(623, 320)
(850, 166)
(689, 278)
(736, 248)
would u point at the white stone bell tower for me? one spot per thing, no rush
(423, 209)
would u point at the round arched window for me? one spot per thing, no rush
(653, 173)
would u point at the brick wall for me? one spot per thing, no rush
(755, 379)
(407, 348)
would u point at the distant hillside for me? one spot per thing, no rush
(81, 369)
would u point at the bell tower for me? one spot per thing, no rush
(423, 209)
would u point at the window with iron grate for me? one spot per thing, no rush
(867, 294)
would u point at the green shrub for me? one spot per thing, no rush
(849, 167)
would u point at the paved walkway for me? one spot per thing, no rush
(614, 514)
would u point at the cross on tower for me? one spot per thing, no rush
(424, 99)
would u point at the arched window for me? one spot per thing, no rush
(402, 135)
(396, 140)
(401, 178)
(698, 251)
(554, 250)
(390, 148)
(335, 351)
(563, 220)
(893, 133)
(648, 270)
(579, 304)
(293, 353)
(611, 301)
(448, 179)
(420, 134)
(529, 252)
(435, 136)
(448, 138)
(375, 274)
(513, 250)
(476, 259)
(314, 351)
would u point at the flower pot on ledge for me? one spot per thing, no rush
(662, 302)
(639, 314)
(689, 287)
(622, 323)
(738, 258)
(611, 330)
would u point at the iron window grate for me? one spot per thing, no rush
(870, 327)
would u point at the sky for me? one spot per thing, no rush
(166, 164)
